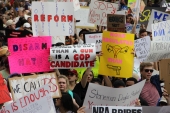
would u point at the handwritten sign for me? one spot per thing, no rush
(4, 93)
(116, 109)
(38, 101)
(129, 28)
(159, 50)
(94, 37)
(157, 16)
(144, 19)
(20, 86)
(76, 3)
(57, 39)
(99, 10)
(116, 23)
(82, 15)
(142, 47)
(117, 48)
(29, 54)
(52, 18)
(161, 31)
(111, 96)
(73, 56)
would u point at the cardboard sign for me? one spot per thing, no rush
(82, 15)
(161, 31)
(4, 93)
(52, 18)
(20, 86)
(164, 70)
(94, 37)
(116, 23)
(159, 50)
(144, 18)
(73, 56)
(142, 47)
(116, 109)
(38, 101)
(29, 54)
(109, 96)
(157, 16)
(117, 48)
(99, 10)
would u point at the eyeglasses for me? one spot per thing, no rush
(147, 70)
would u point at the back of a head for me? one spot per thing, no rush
(96, 80)
(118, 84)
(67, 102)
(142, 31)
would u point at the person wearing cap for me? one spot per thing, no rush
(10, 24)
(27, 27)
(72, 77)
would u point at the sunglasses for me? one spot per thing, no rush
(147, 70)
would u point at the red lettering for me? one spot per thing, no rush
(91, 63)
(90, 104)
(52, 63)
(53, 86)
(56, 18)
(49, 18)
(32, 98)
(42, 18)
(70, 18)
(87, 56)
(25, 47)
(14, 106)
(82, 64)
(76, 57)
(63, 18)
(36, 18)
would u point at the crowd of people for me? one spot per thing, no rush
(16, 15)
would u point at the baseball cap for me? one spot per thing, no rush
(10, 22)
(73, 71)
(163, 99)
(26, 25)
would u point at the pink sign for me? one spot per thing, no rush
(29, 54)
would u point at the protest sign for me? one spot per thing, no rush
(52, 18)
(83, 3)
(109, 96)
(76, 3)
(117, 48)
(99, 10)
(157, 16)
(38, 101)
(29, 54)
(4, 93)
(161, 31)
(82, 15)
(158, 50)
(116, 109)
(73, 56)
(20, 86)
(58, 39)
(164, 69)
(142, 47)
(94, 37)
(147, 12)
(136, 66)
(129, 28)
(167, 5)
(116, 23)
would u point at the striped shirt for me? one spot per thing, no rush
(150, 94)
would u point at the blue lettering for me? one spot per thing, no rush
(165, 16)
(15, 48)
(159, 33)
(156, 16)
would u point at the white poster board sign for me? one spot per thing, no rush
(73, 56)
(94, 38)
(116, 109)
(107, 96)
(82, 15)
(157, 16)
(99, 10)
(142, 47)
(38, 101)
(161, 31)
(129, 28)
(159, 50)
(21, 86)
(52, 18)
(136, 66)
(57, 39)
(83, 3)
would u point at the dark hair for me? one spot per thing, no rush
(83, 31)
(142, 31)
(98, 80)
(66, 101)
(132, 79)
(118, 83)
(90, 71)
(58, 44)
